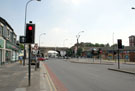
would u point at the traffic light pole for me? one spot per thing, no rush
(119, 47)
(100, 57)
(29, 69)
(77, 48)
(118, 59)
(24, 56)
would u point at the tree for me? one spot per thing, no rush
(21, 46)
(102, 45)
(96, 45)
(107, 45)
(79, 51)
(114, 45)
(69, 52)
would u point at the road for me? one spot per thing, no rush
(90, 77)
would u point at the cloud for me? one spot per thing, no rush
(74, 2)
(58, 31)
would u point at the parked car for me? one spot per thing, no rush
(46, 58)
(41, 59)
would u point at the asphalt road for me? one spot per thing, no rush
(90, 77)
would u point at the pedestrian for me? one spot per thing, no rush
(20, 59)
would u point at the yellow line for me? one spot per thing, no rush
(50, 82)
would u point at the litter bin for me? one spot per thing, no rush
(20, 61)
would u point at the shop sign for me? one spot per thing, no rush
(10, 46)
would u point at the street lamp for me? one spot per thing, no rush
(39, 38)
(29, 76)
(133, 8)
(78, 36)
(25, 26)
(113, 44)
(26, 10)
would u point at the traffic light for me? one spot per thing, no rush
(30, 33)
(120, 44)
(99, 51)
(92, 52)
(114, 53)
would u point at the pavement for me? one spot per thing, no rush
(90, 61)
(126, 67)
(14, 77)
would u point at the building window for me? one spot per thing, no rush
(8, 33)
(1, 30)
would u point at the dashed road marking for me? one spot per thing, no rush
(20, 89)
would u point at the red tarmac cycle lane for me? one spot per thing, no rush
(58, 84)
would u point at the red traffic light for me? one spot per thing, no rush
(119, 43)
(30, 28)
(30, 33)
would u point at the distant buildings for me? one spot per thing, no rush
(132, 41)
(8, 48)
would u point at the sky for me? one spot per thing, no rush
(61, 20)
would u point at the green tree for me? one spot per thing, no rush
(21, 46)
(79, 51)
(97, 45)
(114, 45)
(107, 45)
(69, 52)
(102, 45)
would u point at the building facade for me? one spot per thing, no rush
(8, 48)
(132, 41)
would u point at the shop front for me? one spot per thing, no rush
(11, 52)
(1, 50)
(0, 56)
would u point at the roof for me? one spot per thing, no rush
(5, 23)
(131, 36)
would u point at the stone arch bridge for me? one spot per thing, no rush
(44, 50)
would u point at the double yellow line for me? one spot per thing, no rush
(50, 82)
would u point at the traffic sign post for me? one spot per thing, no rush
(119, 41)
(118, 60)
(22, 39)
(35, 52)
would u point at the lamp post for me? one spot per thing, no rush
(25, 27)
(39, 39)
(113, 44)
(26, 9)
(29, 68)
(78, 36)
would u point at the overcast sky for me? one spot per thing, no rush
(62, 20)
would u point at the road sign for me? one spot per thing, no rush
(36, 47)
(22, 39)
(35, 51)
